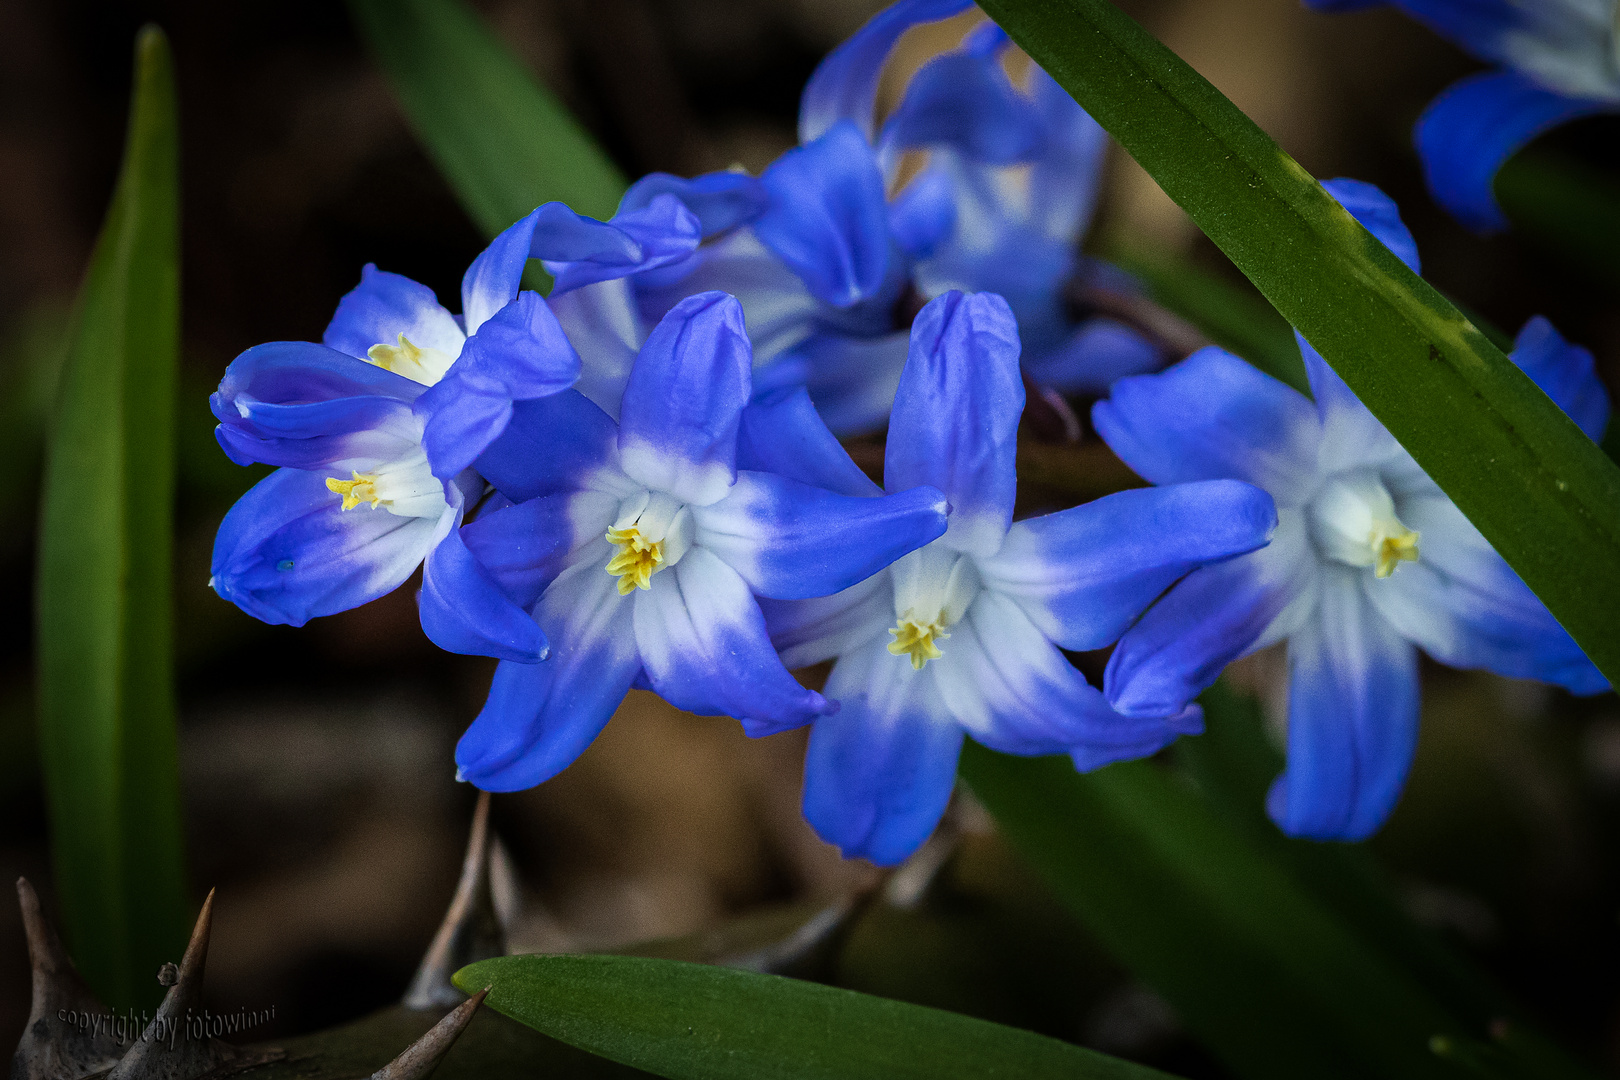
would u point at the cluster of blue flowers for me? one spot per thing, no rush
(637, 481)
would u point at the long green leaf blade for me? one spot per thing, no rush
(695, 1022)
(107, 728)
(502, 140)
(1540, 491)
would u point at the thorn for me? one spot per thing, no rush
(424, 1055)
(171, 1048)
(470, 931)
(52, 1048)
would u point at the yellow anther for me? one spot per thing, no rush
(637, 559)
(363, 488)
(394, 357)
(1390, 550)
(917, 639)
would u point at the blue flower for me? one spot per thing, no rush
(967, 633)
(1556, 63)
(831, 269)
(376, 428)
(640, 546)
(1370, 562)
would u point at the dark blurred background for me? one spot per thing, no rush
(319, 788)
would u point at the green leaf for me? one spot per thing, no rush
(1543, 494)
(502, 140)
(106, 696)
(1263, 973)
(693, 1021)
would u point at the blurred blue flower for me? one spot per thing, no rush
(1370, 562)
(966, 634)
(1557, 62)
(640, 546)
(831, 269)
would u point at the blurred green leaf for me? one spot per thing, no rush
(106, 696)
(1544, 495)
(694, 1021)
(502, 140)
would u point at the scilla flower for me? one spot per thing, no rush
(1556, 63)
(1370, 562)
(376, 427)
(640, 547)
(966, 635)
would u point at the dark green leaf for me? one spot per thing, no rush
(106, 697)
(502, 140)
(693, 1021)
(1540, 491)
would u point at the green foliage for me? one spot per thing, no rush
(106, 698)
(684, 1020)
(1544, 495)
(502, 140)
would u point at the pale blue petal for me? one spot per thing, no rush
(384, 306)
(807, 632)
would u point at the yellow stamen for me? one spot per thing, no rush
(394, 357)
(363, 488)
(917, 638)
(1390, 550)
(637, 559)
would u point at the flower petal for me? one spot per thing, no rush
(682, 407)
(1352, 718)
(809, 632)
(1475, 125)
(790, 541)
(828, 216)
(703, 641)
(1096, 355)
(540, 717)
(844, 86)
(287, 552)
(720, 200)
(524, 547)
(923, 214)
(955, 419)
(464, 611)
(552, 444)
(1565, 372)
(1379, 215)
(384, 306)
(782, 433)
(1210, 416)
(852, 381)
(1210, 618)
(664, 231)
(880, 771)
(964, 100)
(1085, 574)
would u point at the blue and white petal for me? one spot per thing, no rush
(554, 444)
(385, 307)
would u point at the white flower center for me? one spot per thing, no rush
(1352, 520)
(933, 587)
(426, 366)
(653, 531)
(405, 486)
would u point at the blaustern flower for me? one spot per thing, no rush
(1370, 562)
(831, 269)
(1557, 61)
(640, 546)
(965, 635)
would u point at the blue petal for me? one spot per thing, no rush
(1210, 618)
(964, 101)
(828, 216)
(1212, 416)
(782, 433)
(296, 372)
(287, 552)
(880, 771)
(844, 86)
(721, 200)
(1379, 215)
(923, 214)
(703, 641)
(551, 445)
(604, 325)
(518, 354)
(1064, 180)
(1352, 718)
(351, 431)
(1565, 372)
(790, 541)
(682, 407)
(852, 381)
(807, 632)
(540, 717)
(464, 611)
(1480, 26)
(1083, 575)
(1475, 125)
(1089, 756)
(664, 231)
(384, 306)
(524, 547)
(1096, 355)
(955, 419)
